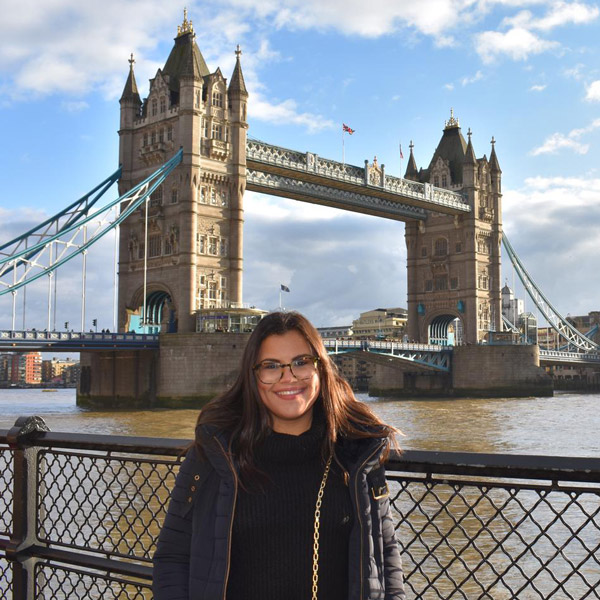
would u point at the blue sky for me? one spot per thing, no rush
(526, 73)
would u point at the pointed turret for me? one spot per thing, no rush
(494, 164)
(130, 91)
(412, 172)
(470, 157)
(237, 78)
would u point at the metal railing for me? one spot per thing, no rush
(80, 515)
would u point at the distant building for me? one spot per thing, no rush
(338, 331)
(21, 368)
(527, 325)
(60, 371)
(382, 323)
(512, 307)
(588, 324)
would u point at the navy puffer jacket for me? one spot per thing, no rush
(191, 561)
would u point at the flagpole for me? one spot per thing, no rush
(280, 297)
(400, 160)
(343, 148)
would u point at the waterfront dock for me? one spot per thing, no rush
(80, 515)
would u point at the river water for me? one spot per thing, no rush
(565, 425)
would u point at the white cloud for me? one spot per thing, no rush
(554, 225)
(592, 92)
(74, 106)
(449, 86)
(538, 88)
(575, 72)
(558, 141)
(286, 113)
(468, 80)
(517, 43)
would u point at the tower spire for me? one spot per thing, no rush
(494, 164)
(237, 83)
(130, 91)
(411, 168)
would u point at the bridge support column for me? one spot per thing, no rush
(118, 379)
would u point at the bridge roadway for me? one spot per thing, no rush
(422, 356)
(308, 177)
(74, 341)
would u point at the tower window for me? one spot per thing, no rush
(153, 138)
(161, 136)
(154, 246)
(174, 195)
(423, 251)
(217, 99)
(441, 247)
(203, 195)
(436, 181)
(440, 283)
(223, 247)
(163, 105)
(157, 197)
(205, 128)
(213, 246)
(458, 247)
(213, 196)
(217, 131)
(170, 133)
(444, 181)
(198, 97)
(454, 283)
(154, 107)
(146, 139)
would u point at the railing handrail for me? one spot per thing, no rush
(517, 466)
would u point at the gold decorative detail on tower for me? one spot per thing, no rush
(186, 26)
(131, 62)
(452, 121)
(238, 51)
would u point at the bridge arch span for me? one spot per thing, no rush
(161, 312)
(444, 327)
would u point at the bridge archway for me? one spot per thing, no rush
(445, 329)
(160, 315)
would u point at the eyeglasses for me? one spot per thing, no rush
(302, 367)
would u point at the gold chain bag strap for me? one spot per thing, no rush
(315, 577)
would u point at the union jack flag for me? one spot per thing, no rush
(347, 129)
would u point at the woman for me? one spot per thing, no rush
(283, 495)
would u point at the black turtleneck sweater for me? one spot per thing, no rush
(272, 546)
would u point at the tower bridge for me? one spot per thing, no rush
(186, 162)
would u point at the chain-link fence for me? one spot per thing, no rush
(470, 525)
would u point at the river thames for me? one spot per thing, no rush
(565, 425)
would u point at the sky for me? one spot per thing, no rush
(525, 72)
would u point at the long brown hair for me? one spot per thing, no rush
(240, 412)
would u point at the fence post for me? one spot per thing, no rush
(21, 438)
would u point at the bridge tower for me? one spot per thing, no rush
(192, 241)
(453, 263)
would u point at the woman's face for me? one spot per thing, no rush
(288, 400)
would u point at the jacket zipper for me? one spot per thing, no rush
(235, 484)
(359, 515)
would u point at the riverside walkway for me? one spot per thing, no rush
(80, 515)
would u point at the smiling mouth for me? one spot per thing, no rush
(289, 392)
